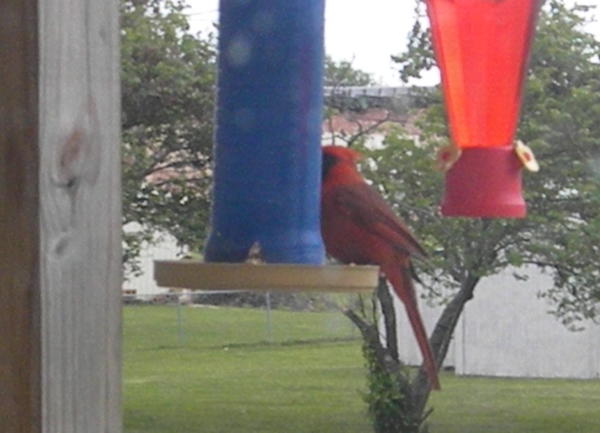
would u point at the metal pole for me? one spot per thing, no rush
(179, 322)
(269, 319)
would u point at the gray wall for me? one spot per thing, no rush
(407, 346)
(506, 330)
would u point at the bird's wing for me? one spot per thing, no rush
(369, 210)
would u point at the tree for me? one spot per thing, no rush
(561, 234)
(168, 80)
(343, 73)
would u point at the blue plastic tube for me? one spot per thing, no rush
(267, 151)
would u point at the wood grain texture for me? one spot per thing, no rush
(60, 264)
(194, 274)
(80, 216)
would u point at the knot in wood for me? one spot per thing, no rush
(70, 159)
(77, 156)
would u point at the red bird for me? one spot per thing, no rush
(359, 227)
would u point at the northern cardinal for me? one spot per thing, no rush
(359, 227)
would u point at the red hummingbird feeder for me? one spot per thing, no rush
(482, 48)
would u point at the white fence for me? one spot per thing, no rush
(506, 330)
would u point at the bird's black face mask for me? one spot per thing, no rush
(328, 162)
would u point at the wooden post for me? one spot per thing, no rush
(60, 263)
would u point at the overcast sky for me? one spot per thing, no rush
(364, 31)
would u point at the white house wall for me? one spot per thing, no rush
(165, 248)
(506, 330)
(408, 350)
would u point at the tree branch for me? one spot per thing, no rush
(442, 336)
(386, 301)
(362, 132)
(371, 339)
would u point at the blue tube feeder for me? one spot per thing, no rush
(267, 177)
(267, 152)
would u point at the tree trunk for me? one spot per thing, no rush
(441, 337)
(386, 358)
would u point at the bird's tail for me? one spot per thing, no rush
(402, 284)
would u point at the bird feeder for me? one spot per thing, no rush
(267, 154)
(268, 151)
(482, 49)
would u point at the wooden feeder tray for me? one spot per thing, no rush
(197, 275)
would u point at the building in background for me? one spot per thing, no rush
(142, 285)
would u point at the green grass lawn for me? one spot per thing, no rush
(229, 374)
